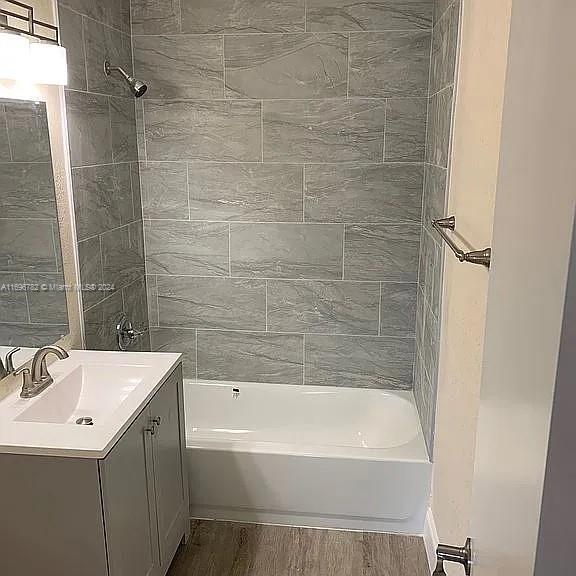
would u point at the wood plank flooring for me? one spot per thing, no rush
(235, 549)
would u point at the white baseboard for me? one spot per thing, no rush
(431, 540)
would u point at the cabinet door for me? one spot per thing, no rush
(171, 501)
(127, 478)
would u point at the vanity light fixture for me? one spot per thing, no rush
(33, 47)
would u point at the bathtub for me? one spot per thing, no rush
(306, 456)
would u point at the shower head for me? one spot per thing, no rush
(137, 88)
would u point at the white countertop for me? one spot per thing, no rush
(72, 440)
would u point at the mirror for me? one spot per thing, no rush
(33, 309)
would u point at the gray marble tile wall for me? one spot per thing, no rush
(105, 170)
(282, 147)
(29, 239)
(445, 38)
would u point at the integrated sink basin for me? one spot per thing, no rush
(89, 391)
(105, 390)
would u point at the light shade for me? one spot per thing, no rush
(15, 60)
(48, 64)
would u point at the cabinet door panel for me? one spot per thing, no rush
(128, 497)
(168, 474)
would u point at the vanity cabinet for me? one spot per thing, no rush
(123, 515)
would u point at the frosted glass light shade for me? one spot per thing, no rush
(15, 60)
(48, 64)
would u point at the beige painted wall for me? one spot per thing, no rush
(474, 171)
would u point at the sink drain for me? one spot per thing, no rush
(85, 421)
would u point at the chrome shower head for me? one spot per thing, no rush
(137, 88)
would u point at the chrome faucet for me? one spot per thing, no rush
(9, 368)
(39, 378)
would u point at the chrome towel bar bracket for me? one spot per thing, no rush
(481, 257)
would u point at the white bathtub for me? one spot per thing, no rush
(306, 456)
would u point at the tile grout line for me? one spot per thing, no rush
(303, 359)
(348, 68)
(230, 250)
(294, 33)
(377, 337)
(380, 311)
(196, 352)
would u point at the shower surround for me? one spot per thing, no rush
(282, 149)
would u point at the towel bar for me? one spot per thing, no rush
(482, 257)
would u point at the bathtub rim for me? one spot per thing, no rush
(413, 451)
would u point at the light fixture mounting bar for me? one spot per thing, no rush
(26, 14)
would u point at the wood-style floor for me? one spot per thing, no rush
(234, 549)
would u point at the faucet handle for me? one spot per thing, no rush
(10, 360)
(27, 384)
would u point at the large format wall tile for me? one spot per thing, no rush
(435, 181)
(27, 190)
(323, 307)
(367, 193)
(398, 309)
(359, 361)
(227, 303)
(439, 128)
(155, 16)
(406, 129)
(27, 246)
(48, 304)
(286, 65)
(325, 15)
(123, 126)
(31, 335)
(444, 50)
(180, 66)
(386, 252)
(5, 152)
(180, 340)
(135, 305)
(71, 36)
(242, 16)
(286, 250)
(28, 131)
(204, 130)
(164, 190)
(13, 298)
(89, 132)
(104, 43)
(329, 131)
(388, 64)
(250, 357)
(249, 192)
(102, 198)
(191, 248)
(115, 13)
(90, 261)
(440, 7)
(100, 323)
(122, 258)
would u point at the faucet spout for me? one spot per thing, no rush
(39, 368)
(39, 378)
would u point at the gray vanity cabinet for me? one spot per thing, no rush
(169, 487)
(128, 499)
(143, 492)
(123, 515)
